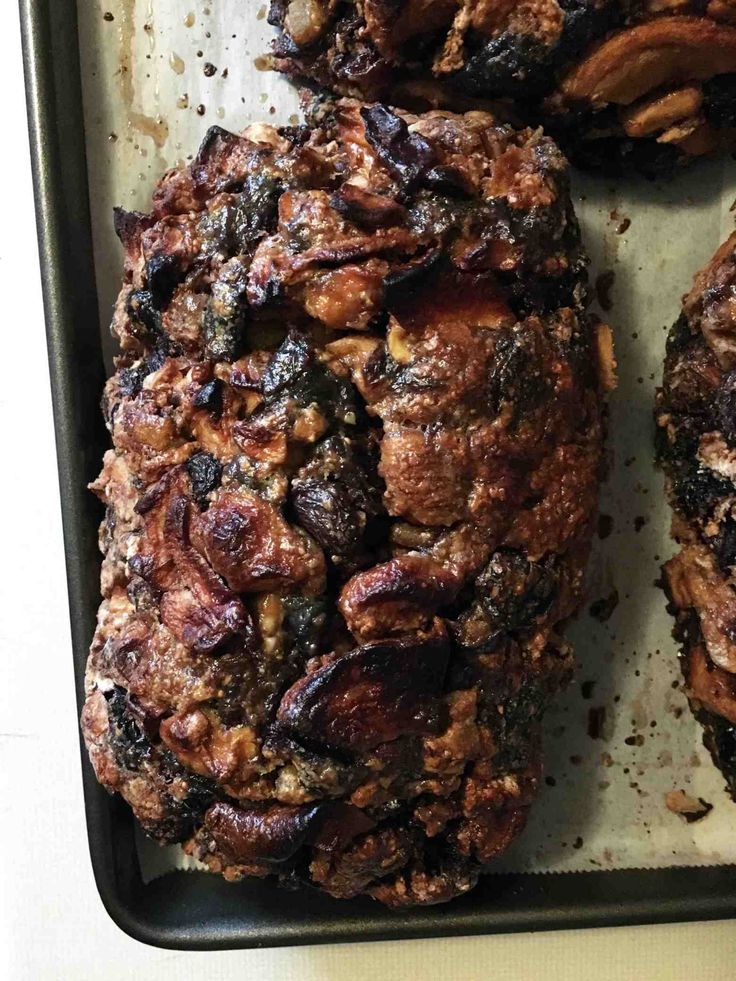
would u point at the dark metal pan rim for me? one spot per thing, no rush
(182, 910)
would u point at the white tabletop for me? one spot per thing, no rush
(52, 924)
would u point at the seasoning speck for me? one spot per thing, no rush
(108, 16)
(201, 110)
(603, 608)
(603, 286)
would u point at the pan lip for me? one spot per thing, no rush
(192, 911)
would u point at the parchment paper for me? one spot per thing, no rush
(157, 74)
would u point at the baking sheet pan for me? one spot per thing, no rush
(579, 823)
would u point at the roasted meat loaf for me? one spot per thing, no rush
(356, 432)
(696, 418)
(649, 83)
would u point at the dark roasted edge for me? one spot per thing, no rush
(193, 912)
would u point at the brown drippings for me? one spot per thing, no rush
(153, 126)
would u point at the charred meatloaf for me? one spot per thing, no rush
(696, 417)
(649, 83)
(356, 432)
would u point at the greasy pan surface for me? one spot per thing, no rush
(197, 911)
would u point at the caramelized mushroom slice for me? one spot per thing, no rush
(397, 597)
(254, 549)
(370, 696)
(276, 832)
(663, 52)
(662, 111)
(195, 603)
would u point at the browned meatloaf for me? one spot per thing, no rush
(696, 417)
(648, 83)
(356, 434)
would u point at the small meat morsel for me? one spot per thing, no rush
(694, 418)
(621, 84)
(356, 441)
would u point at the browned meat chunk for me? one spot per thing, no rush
(357, 433)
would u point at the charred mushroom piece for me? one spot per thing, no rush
(397, 597)
(274, 834)
(370, 696)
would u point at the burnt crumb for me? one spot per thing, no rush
(204, 472)
(689, 808)
(550, 781)
(108, 16)
(578, 843)
(209, 69)
(605, 526)
(603, 286)
(639, 522)
(602, 609)
(637, 740)
(586, 689)
(596, 721)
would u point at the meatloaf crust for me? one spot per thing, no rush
(649, 84)
(356, 429)
(696, 420)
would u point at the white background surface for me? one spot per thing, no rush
(52, 924)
